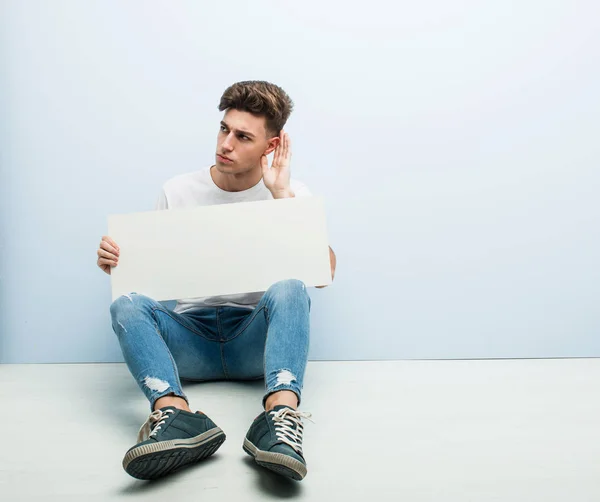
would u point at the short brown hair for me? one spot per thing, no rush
(259, 98)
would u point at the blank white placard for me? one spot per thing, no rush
(220, 249)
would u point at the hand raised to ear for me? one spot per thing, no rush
(277, 177)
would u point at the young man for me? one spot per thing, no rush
(237, 337)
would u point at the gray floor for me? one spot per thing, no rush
(499, 430)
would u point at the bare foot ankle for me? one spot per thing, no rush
(175, 401)
(285, 397)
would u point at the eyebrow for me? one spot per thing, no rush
(245, 133)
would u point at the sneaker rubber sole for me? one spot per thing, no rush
(151, 461)
(277, 462)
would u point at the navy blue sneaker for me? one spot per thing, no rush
(274, 440)
(170, 439)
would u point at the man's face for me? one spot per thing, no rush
(241, 142)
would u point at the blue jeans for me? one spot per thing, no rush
(216, 343)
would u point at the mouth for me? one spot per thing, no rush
(224, 160)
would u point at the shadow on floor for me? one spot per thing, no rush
(269, 484)
(274, 485)
(138, 486)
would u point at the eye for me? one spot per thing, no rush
(223, 128)
(243, 137)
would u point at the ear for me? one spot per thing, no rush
(272, 144)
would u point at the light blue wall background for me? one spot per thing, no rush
(457, 145)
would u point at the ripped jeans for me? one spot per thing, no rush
(216, 343)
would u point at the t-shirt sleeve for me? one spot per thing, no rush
(161, 202)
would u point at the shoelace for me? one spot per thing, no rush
(285, 419)
(152, 425)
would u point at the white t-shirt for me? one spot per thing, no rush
(199, 189)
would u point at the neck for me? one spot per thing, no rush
(236, 182)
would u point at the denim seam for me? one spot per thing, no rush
(248, 322)
(219, 328)
(268, 319)
(175, 369)
(221, 343)
(192, 329)
(223, 363)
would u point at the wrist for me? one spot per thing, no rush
(283, 194)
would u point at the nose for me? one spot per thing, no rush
(227, 143)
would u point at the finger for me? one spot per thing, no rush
(111, 242)
(108, 247)
(283, 145)
(277, 154)
(107, 254)
(285, 160)
(288, 144)
(105, 261)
